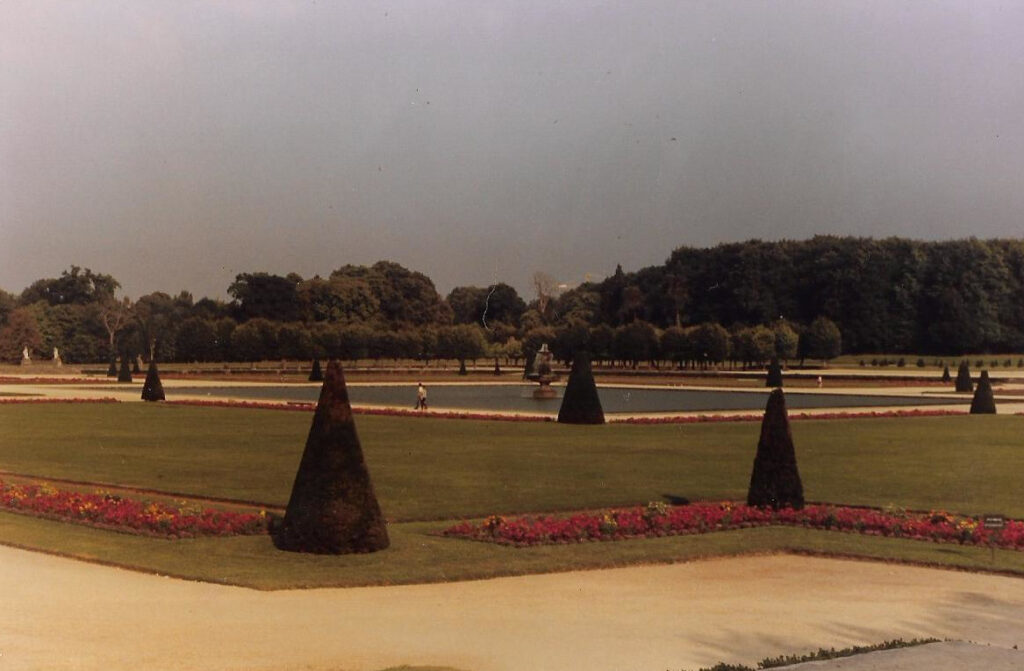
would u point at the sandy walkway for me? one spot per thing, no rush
(63, 614)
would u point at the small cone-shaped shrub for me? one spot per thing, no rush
(316, 374)
(580, 403)
(983, 402)
(462, 367)
(963, 378)
(946, 377)
(497, 368)
(125, 374)
(774, 373)
(775, 480)
(152, 389)
(332, 509)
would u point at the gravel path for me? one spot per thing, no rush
(62, 614)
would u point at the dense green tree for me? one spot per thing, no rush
(755, 345)
(824, 340)
(294, 342)
(20, 331)
(267, 296)
(636, 342)
(157, 317)
(405, 297)
(461, 341)
(74, 286)
(340, 299)
(255, 340)
(196, 340)
(710, 343)
(786, 340)
(676, 345)
(486, 306)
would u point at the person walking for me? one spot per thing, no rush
(421, 397)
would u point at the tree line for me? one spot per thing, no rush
(741, 302)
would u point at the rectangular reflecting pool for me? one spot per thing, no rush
(518, 398)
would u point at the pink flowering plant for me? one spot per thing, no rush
(657, 519)
(119, 513)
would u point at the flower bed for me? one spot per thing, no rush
(118, 513)
(695, 419)
(58, 400)
(658, 519)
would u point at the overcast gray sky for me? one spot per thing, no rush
(175, 144)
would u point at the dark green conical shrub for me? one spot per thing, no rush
(497, 368)
(775, 481)
(462, 367)
(580, 403)
(316, 374)
(774, 373)
(963, 378)
(125, 373)
(946, 377)
(333, 508)
(983, 402)
(152, 389)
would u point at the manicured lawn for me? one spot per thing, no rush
(428, 470)
(441, 469)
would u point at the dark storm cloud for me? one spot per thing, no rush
(176, 144)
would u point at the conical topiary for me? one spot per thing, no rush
(332, 509)
(152, 389)
(963, 378)
(580, 403)
(774, 373)
(497, 368)
(125, 374)
(316, 374)
(775, 480)
(983, 402)
(946, 377)
(462, 367)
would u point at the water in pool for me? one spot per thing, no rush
(519, 398)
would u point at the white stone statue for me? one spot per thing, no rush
(56, 357)
(24, 354)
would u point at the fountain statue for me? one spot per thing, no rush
(542, 373)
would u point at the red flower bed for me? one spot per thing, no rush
(58, 400)
(109, 511)
(658, 519)
(694, 419)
